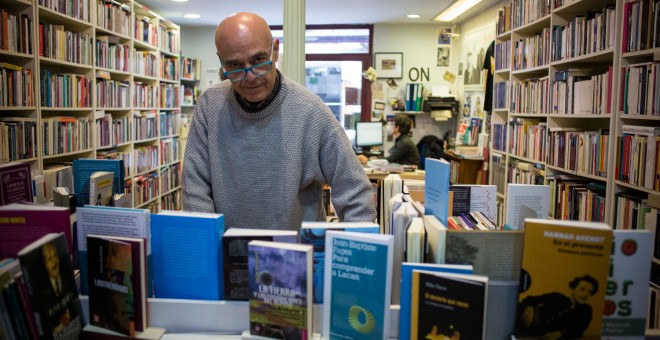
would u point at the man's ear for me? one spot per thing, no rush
(276, 50)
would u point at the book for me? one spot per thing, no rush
(449, 305)
(436, 201)
(626, 296)
(111, 221)
(536, 201)
(314, 233)
(436, 238)
(481, 198)
(493, 253)
(358, 285)
(406, 289)
(51, 287)
(117, 283)
(15, 183)
(235, 257)
(187, 255)
(22, 224)
(280, 277)
(100, 188)
(416, 241)
(547, 290)
(83, 169)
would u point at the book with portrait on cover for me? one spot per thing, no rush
(280, 276)
(51, 287)
(563, 279)
(117, 283)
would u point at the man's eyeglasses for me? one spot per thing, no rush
(258, 69)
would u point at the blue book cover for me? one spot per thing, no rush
(406, 288)
(83, 168)
(111, 221)
(314, 233)
(436, 194)
(280, 276)
(358, 283)
(187, 255)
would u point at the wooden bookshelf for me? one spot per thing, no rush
(114, 66)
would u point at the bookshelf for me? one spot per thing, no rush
(191, 76)
(96, 79)
(554, 98)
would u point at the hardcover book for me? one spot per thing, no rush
(22, 224)
(358, 285)
(565, 300)
(15, 183)
(406, 289)
(280, 290)
(235, 257)
(117, 283)
(51, 287)
(187, 255)
(314, 233)
(111, 221)
(436, 194)
(626, 295)
(446, 306)
(526, 201)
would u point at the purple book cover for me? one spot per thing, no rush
(22, 224)
(15, 183)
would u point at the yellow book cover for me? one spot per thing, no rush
(563, 280)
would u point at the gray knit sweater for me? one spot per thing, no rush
(267, 169)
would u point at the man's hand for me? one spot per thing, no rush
(363, 159)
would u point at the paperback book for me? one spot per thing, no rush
(406, 289)
(24, 223)
(314, 233)
(111, 221)
(436, 194)
(280, 290)
(15, 183)
(566, 299)
(358, 285)
(626, 296)
(117, 283)
(187, 255)
(448, 305)
(235, 257)
(83, 169)
(51, 287)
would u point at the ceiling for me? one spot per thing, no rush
(318, 12)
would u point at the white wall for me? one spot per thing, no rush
(198, 42)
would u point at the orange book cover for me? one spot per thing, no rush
(563, 280)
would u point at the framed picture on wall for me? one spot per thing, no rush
(389, 65)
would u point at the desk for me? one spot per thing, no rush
(416, 175)
(464, 170)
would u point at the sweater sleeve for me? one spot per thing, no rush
(352, 195)
(197, 193)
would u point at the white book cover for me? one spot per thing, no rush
(416, 241)
(401, 219)
(436, 238)
(535, 198)
(626, 294)
(358, 285)
(100, 188)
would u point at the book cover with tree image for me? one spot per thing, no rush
(280, 276)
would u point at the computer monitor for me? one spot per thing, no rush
(368, 134)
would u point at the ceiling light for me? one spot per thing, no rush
(456, 9)
(413, 16)
(179, 0)
(192, 16)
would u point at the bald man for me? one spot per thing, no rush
(261, 147)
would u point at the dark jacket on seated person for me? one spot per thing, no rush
(404, 151)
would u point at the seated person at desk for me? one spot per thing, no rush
(404, 151)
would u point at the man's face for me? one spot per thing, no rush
(51, 261)
(583, 292)
(242, 51)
